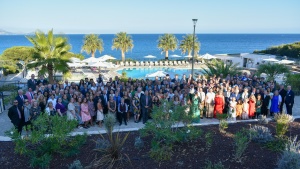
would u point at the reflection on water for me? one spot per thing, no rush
(142, 72)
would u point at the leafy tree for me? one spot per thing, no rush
(51, 53)
(122, 42)
(91, 44)
(272, 70)
(167, 42)
(19, 53)
(290, 50)
(294, 81)
(218, 67)
(186, 45)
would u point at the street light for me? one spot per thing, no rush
(194, 21)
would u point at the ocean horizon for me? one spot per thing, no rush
(146, 44)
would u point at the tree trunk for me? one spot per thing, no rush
(50, 73)
(123, 56)
(93, 54)
(167, 55)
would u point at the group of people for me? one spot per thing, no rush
(240, 96)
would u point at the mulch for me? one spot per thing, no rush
(191, 154)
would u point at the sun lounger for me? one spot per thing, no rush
(131, 63)
(166, 63)
(146, 63)
(175, 63)
(156, 63)
(171, 63)
(121, 63)
(126, 63)
(151, 63)
(161, 63)
(137, 63)
(142, 63)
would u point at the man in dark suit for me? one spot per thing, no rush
(282, 93)
(265, 103)
(146, 103)
(31, 83)
(15, 116)
(104, 100)
(289, 100)
(21, 98)
(42, 81)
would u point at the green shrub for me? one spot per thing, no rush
(210, 165)
(51, 136)
(76, 165)
(241, 142)
(208, 140)
(277, 144)
(282, 123)
(294, 81)
(291, 155)
(138, 143)
(260, 134)
(110, 147)
(223, 125)
(165, 131)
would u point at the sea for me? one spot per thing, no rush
(146, 44)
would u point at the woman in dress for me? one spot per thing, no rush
(100, 115)
(136, 107)
(71, 110)
(91, 109)
(42, 102)
(232, 108)
(50, 110)
(85, 115)
(77, 105)
(275, 103)
(60, 108)
(26, 110)
(111, 104)
(258, 105)
(209, 103)
(195, 108)
(245, 115)
(35, 110)
(219, 103)
(128, 102)
(65, 100)
(239, 108)
(252, 102)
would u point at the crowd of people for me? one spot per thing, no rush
(241, 96)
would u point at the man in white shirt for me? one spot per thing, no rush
(201, 95)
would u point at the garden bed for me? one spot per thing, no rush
(185, 155)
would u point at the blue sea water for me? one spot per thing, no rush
(146, 44)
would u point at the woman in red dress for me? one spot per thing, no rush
(219, 103)
(252, 102)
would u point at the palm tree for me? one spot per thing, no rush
(186, 45)
(50, 53)
(122, 42)
(166, 43)
(91, 44)
(272, 70)
(217, 68)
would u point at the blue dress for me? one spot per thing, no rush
(274, 104)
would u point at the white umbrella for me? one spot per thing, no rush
(207, 56)
(75, 64)
(74, 60)
(106, 57)
(188, 56)
(285, 61)
(158, 74)
(175, 56)
(150, 57)
(101, 64)
(91, 60)
(271, 60)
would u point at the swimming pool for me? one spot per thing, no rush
(142, 72)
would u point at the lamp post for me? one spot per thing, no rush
(193, 57)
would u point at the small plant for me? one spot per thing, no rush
(111, 149)
(260, 134)
(223, 125)
(138, 143)
(282, 123)
(241, 142)
(262, 119)
(209, 140)
(76, 165)
(291, 155)
(210, 165)
(161, 153)
(277, 144)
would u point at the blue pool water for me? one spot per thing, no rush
(142, 72)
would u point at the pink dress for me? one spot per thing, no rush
(85, 117)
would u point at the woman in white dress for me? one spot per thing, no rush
(232, 108)
(71, 110)
(100, 115)
(209, 103)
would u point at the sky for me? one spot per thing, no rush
(151, 16)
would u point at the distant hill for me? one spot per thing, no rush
(4, 32)
(289, 50)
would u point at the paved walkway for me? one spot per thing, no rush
(5, 123)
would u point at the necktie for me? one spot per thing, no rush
(31, 95)
(146, 100)
(19, 113)
(22, 97)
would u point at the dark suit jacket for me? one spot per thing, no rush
(143, 102)
(14, 116)
(265, 101)
(31, 84)
(45, 82)
(20, 101)
(289, 98)
(282, 93)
